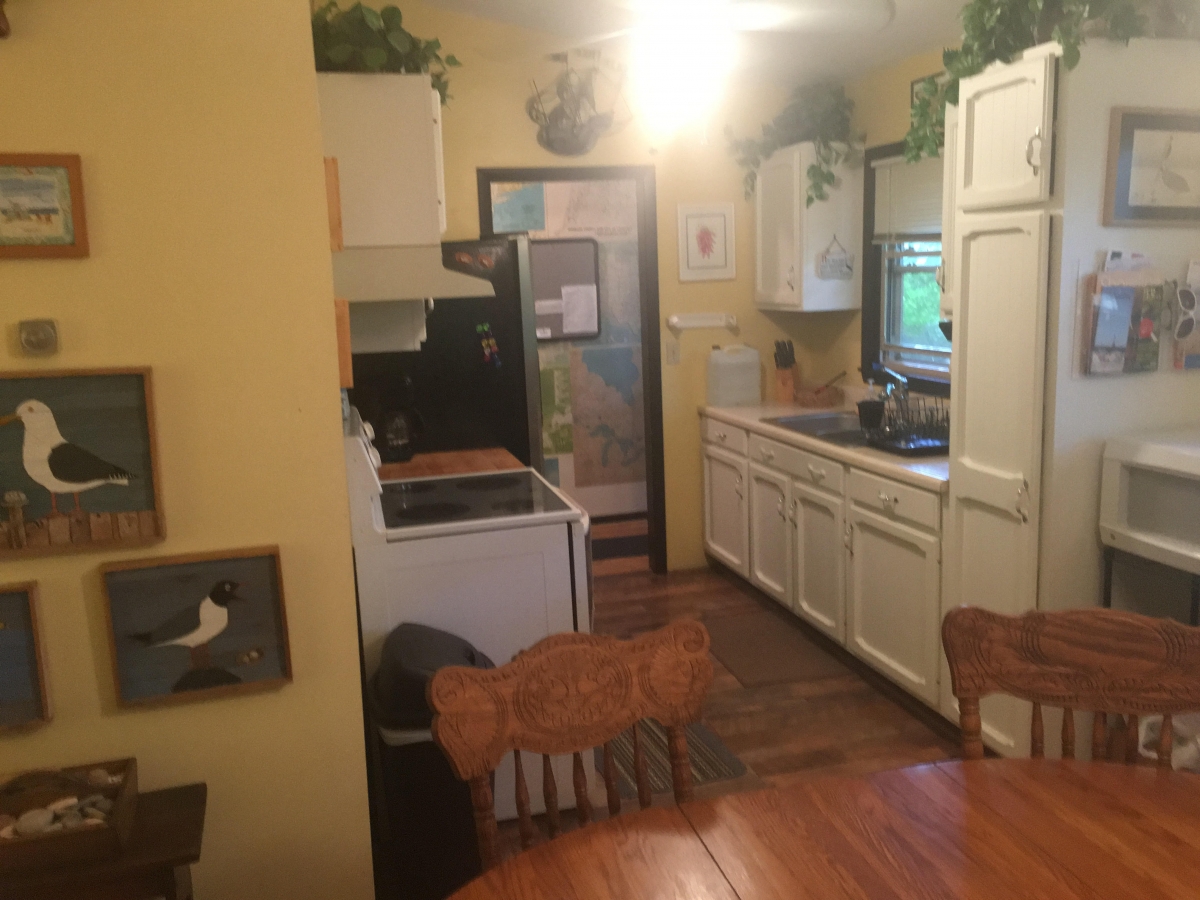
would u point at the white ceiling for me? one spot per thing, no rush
(819, 39)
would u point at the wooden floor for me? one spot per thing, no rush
(849, 723)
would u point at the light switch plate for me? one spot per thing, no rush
(38, 337)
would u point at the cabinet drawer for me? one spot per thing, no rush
(809, 468)
(895, 500)
(727, 436)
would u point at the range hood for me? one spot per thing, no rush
(371, 274)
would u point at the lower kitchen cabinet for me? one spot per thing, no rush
(770, 533)
(819, 538)
(894, 601)
(726, 512)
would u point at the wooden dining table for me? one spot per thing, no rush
(984, 830)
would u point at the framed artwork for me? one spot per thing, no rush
(190, 627)
(706, 242)
(78, 461)
(41, 206)
(23, 696)
(1153, 168)
(914, 86)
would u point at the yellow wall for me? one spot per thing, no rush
(881, 112)
(198, 128)
(485, 126)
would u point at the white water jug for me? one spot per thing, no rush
(733, 376)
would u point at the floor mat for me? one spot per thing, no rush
(711, 759)
(760, 648)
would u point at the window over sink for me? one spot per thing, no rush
(902, 269)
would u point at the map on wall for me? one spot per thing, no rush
(593, 433)
(609, 439)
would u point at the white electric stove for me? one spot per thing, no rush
(499, 559)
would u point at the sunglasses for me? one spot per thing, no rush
(1187, 317)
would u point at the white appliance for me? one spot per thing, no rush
(1150, 497)
(499, 559)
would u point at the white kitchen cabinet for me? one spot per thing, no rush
(770, 533)
(790, 236)
(726, 511)
(819, 549)
(1006, 133)
(998, 370)
(894, 600)
(385, 131)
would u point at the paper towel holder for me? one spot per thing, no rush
(681, 322)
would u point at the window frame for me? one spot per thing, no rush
(873, 287)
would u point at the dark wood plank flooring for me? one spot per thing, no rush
(850, 723)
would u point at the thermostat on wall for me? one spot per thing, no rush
(39, 337)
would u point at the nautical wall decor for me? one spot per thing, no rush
(205, 625)
(78, 463)
(41, 206)
(23, 698)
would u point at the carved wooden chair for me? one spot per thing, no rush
(567, 694)
(1097, 660)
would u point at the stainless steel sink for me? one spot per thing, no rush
(836, 427)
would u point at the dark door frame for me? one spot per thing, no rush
(647, 213)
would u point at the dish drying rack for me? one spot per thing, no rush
(912, 426)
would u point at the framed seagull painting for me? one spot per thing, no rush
(204, 625)
(78, 462)
(23, 698)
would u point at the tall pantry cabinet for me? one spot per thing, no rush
(1026, 171)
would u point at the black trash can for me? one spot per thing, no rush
(428, 848)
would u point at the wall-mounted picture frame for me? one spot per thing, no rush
(78, 462)
(199, 626)
(914, 86)
(41, 206)
(707, 242)
(24, 698)
(1153, 168)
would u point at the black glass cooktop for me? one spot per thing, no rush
(459, 499)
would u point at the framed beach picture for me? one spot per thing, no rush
(1153, 168)
(189, 627)
(706, 242)
(78, 461)
(23, 697)
(41, 206)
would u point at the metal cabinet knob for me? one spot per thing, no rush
(721, 435)
(768, 455)
(1036, 136)
(816, 474)
(885, 499)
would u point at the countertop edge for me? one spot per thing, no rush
(873, 461)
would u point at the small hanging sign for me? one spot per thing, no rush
(835, 263)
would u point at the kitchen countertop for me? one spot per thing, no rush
(930, 473)
(453, 462)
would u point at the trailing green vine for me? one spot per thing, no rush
(998, 30)
(816, 112)
(362, 39)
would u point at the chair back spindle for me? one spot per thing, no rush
(568, 694)
(1098, 659)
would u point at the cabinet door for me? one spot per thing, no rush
(946, 273)
(726, 521)
(778, 204)
(770, 532)
(819, 528)
(1005, 134)
(380, 129)
(997, 373)
(895, 601)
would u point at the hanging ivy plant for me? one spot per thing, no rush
(816, 112)
(998, 30)
(362, 39)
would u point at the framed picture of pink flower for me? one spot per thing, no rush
(707, 251)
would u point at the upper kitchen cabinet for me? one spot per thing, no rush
(385, 131)
(807, 258)
(1006, 133)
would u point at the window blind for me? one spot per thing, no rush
(908, 199)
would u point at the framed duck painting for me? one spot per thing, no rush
(78, 462)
